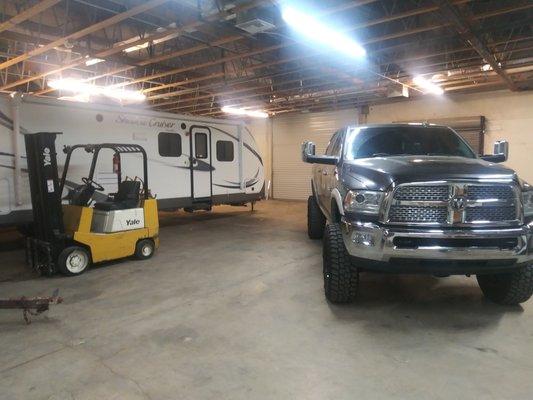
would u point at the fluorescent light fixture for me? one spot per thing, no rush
(73, 85)
(81, 88)
(92, 61)
(488, 67)
(320, 33)
(242, 111)
(428, 86)
(138, 47)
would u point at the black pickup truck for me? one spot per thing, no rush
(415, 198)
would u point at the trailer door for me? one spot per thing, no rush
(201, 168)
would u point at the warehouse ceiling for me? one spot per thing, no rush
(196, 56)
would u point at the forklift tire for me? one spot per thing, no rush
(144, 249)
(73, 260)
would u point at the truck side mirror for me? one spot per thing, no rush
(308, 155)
(501, 152)
(308, 149)
(502, 147)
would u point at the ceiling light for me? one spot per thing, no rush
(428, 86)
(92, 61)
(488, 67)
(73, 85)
(85, 89)
(320, 33)
(242, 111)
(138, 47)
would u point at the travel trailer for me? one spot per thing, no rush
(194, 163)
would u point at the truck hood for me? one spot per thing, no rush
(379, 173)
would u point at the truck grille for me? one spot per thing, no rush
(423, 193)
(479, 192)
(490, 214)
(418, 214)
(447, 204)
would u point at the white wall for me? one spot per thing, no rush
(291, 175)
(509, 116)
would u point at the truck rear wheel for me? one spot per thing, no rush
(341, 277)
(509, 288)
(73, 260)
(315, 219)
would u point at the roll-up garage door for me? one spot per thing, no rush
(291, 176)
(470, 128)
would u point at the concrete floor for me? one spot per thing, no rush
(231, 307)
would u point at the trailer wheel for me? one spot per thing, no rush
(144, 249)
(73, 260)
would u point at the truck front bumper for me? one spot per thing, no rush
(438, 251)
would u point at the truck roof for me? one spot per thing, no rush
(402, 124)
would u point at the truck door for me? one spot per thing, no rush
(328, 179)
(201, 168)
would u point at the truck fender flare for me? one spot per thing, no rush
(313, 189)
(336, 196)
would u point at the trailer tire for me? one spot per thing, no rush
(144, 249)
(341, 277)
(315, 219)
(73, 260)
(509, 288)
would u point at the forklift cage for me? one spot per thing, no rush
(118, 148)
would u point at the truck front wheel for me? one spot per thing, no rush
(315, 219)
(509, 288)
(341, 277)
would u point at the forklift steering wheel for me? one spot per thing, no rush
(92, 183)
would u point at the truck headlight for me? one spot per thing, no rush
(527, 201)
(363, 201)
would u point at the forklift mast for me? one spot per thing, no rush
(48, 226)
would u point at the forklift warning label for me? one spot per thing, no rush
(50, 183)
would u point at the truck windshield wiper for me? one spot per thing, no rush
(380, 155)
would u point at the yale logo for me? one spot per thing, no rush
(47, 159)
(131, 222)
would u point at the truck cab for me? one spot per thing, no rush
(415, 198)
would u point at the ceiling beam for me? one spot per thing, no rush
(83, 32)
(373, 40)
(464, 29)
(27, 14)
(117, 48)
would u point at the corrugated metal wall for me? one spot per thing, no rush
(291, 177)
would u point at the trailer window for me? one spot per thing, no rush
(224, 150)
(200, 140)
(169, 144)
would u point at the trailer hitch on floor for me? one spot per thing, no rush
(31, 305)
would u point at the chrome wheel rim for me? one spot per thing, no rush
(77, 261)
(146, 250)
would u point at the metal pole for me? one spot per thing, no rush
(15, 105)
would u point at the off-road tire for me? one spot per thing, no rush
(144, 249)
(64, 262)
(315, 219)
(341, 277)
(509, 288)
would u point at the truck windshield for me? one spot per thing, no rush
(405, 141)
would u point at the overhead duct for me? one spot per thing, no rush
(256, 21)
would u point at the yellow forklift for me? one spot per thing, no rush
(69, 237)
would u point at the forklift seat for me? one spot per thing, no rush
(127, 197)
